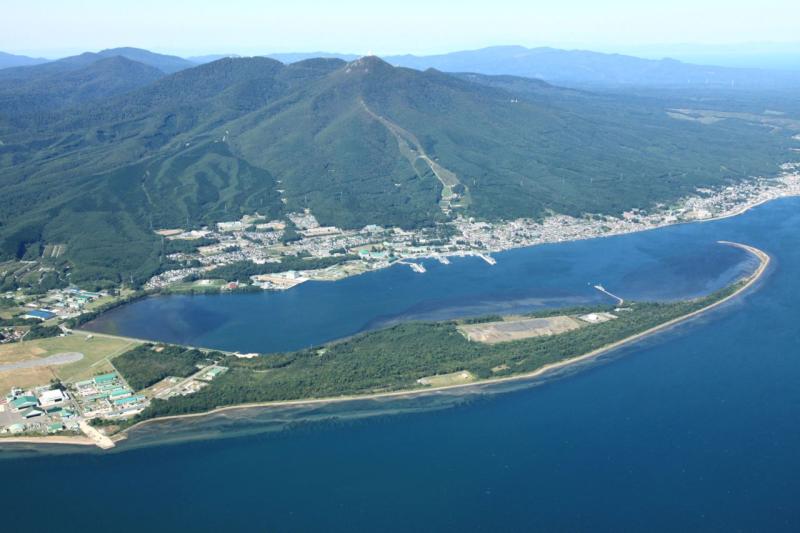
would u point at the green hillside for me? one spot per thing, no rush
(28, 99)
(357, 143)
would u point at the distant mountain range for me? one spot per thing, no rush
(572, 68)
(763, 55)
(580, 68)
(592, 69)
(99, 150)
(47, 87)
(165, 63)
(11, 60)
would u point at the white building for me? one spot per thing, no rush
(52, 397)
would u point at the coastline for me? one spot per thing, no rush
(50, 439)
(744, 208)
(791, 188)
(748, 282)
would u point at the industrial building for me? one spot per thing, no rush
(39, 314)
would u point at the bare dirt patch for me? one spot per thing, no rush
(513, 330)
(445, 380)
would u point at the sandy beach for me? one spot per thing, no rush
(49, 439)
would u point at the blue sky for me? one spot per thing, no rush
(59, 27)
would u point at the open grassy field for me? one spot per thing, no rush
(97, 351)
(9, 312)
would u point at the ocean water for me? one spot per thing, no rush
(695, 429)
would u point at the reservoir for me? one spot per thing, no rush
(694, 429)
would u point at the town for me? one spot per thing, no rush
(258, 241)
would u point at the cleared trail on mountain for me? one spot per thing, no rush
(413, 151)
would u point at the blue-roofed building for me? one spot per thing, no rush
(23, 402)
(129, 400)
(40, 314)
(105, 378)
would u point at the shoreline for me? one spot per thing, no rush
(739, 210)
(462, 254)
(764, 261)
(749, 281)
(49, 439)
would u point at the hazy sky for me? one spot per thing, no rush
(60, 27)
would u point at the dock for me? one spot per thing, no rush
(416, 267)
(602, 289)
(488, 258)
(443, 259)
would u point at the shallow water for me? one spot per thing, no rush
(695, 429)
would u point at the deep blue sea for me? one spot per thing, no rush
(695, 429)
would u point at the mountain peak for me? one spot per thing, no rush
(368, 64)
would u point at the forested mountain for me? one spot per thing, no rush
(290, 57)
(24, 99)
(12, 60)
(199, 60)
(357, 143)
(165, 63)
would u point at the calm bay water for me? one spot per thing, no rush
(644, 266)
(695, 429)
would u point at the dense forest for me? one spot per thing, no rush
(147, 364)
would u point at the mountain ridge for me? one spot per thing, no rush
(14, 60)
(357, 143)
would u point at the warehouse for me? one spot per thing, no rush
(52, 397)
(40, 314)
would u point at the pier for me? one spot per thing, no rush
(416, 267)
(602, 289)
(488, 258)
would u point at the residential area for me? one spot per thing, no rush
(259, 241)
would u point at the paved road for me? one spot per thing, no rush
(56, 359)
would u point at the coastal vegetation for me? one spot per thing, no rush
(396, 358)
(147, 364)
(242, 270)
(40, 331)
